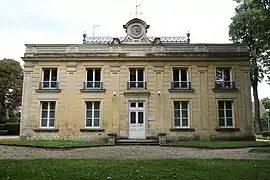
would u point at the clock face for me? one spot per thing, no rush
(136, 31)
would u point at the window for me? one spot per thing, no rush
(223, 78)
(49, 79)
(47, 114)
(93, 78)
(180, 78)
(225, 113)
(92, 119)
(181, 114)
(136, 78)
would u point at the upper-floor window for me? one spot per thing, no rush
(180, 78)
(225, 113)
(136, 78)
(47, 114)
(49, 78)
(93, 78)
(224, 78)
(181, 118)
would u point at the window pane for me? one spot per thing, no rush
(132, 75)
(140, 117)
(90, 75)
(133, 104)
(46, 75)
(176, 104)
(176, 75)
(132, 117)
(176, 113)
(183, 75)
(52, 105)
(184, 113)
(219, 74)
(226, 72)
(89, 105)
(44, 105)
(97, 74)
(221, 105)
(228, 105)
(51, 122)
(96, 105)
(96, 114)
(43, 122)
(140, 75)
(52, 114)
(88, 113)
(44, 114)
(54, 74)
(88, 122)
(229, 122)
(176, 122)
(221, 122)
(96, 122)
(140, 104)
(184, 122)
(184, 104)
(221, 113)
(229, 113)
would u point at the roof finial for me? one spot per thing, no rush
(136, 10)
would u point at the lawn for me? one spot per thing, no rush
(166, 169)
(221, 144)
(50, 143)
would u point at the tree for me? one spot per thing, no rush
(266, 102)
(249, 26)
(11, 80)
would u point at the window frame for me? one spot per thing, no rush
(224, 109)
(181, 118)
(179, 69)
(92, 114)
(222, 70)
(136, 77)
(48, 115)
(50, 77)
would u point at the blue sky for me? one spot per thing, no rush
(64, 21)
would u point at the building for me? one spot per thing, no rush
(136, 87)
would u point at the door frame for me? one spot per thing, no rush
(145, 100)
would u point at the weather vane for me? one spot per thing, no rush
(94, 28)
(136, 10)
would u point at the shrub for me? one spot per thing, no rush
(13, 129)
(265, 133)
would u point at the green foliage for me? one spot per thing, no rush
(11, 80)
(164, 169)
(266, 102)
(250, 25)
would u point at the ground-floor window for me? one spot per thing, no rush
(92, 114)
(225, 113)
(181, 117)
(47, 114)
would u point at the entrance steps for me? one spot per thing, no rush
(139, 142)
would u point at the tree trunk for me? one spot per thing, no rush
(257, 116)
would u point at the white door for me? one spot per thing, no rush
(136, 120)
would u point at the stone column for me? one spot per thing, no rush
(26, 130)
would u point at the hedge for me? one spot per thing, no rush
(13, 129)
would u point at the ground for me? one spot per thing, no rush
(128, 152)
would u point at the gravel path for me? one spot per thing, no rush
(127, 152)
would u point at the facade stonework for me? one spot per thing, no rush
(93, 92)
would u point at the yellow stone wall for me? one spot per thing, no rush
(114, 116)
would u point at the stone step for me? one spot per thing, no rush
(140, 142)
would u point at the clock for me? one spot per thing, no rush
(136, 31)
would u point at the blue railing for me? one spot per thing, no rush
(136, 84)
(49, 85)
(93, 85)
(180, 85)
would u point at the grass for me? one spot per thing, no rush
(221, 144)
(260, 150)
(50, 143)
(166, 169)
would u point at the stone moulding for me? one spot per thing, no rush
(46, 130)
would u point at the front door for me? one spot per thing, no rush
(136, 120)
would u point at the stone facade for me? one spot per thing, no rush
(158, 61)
